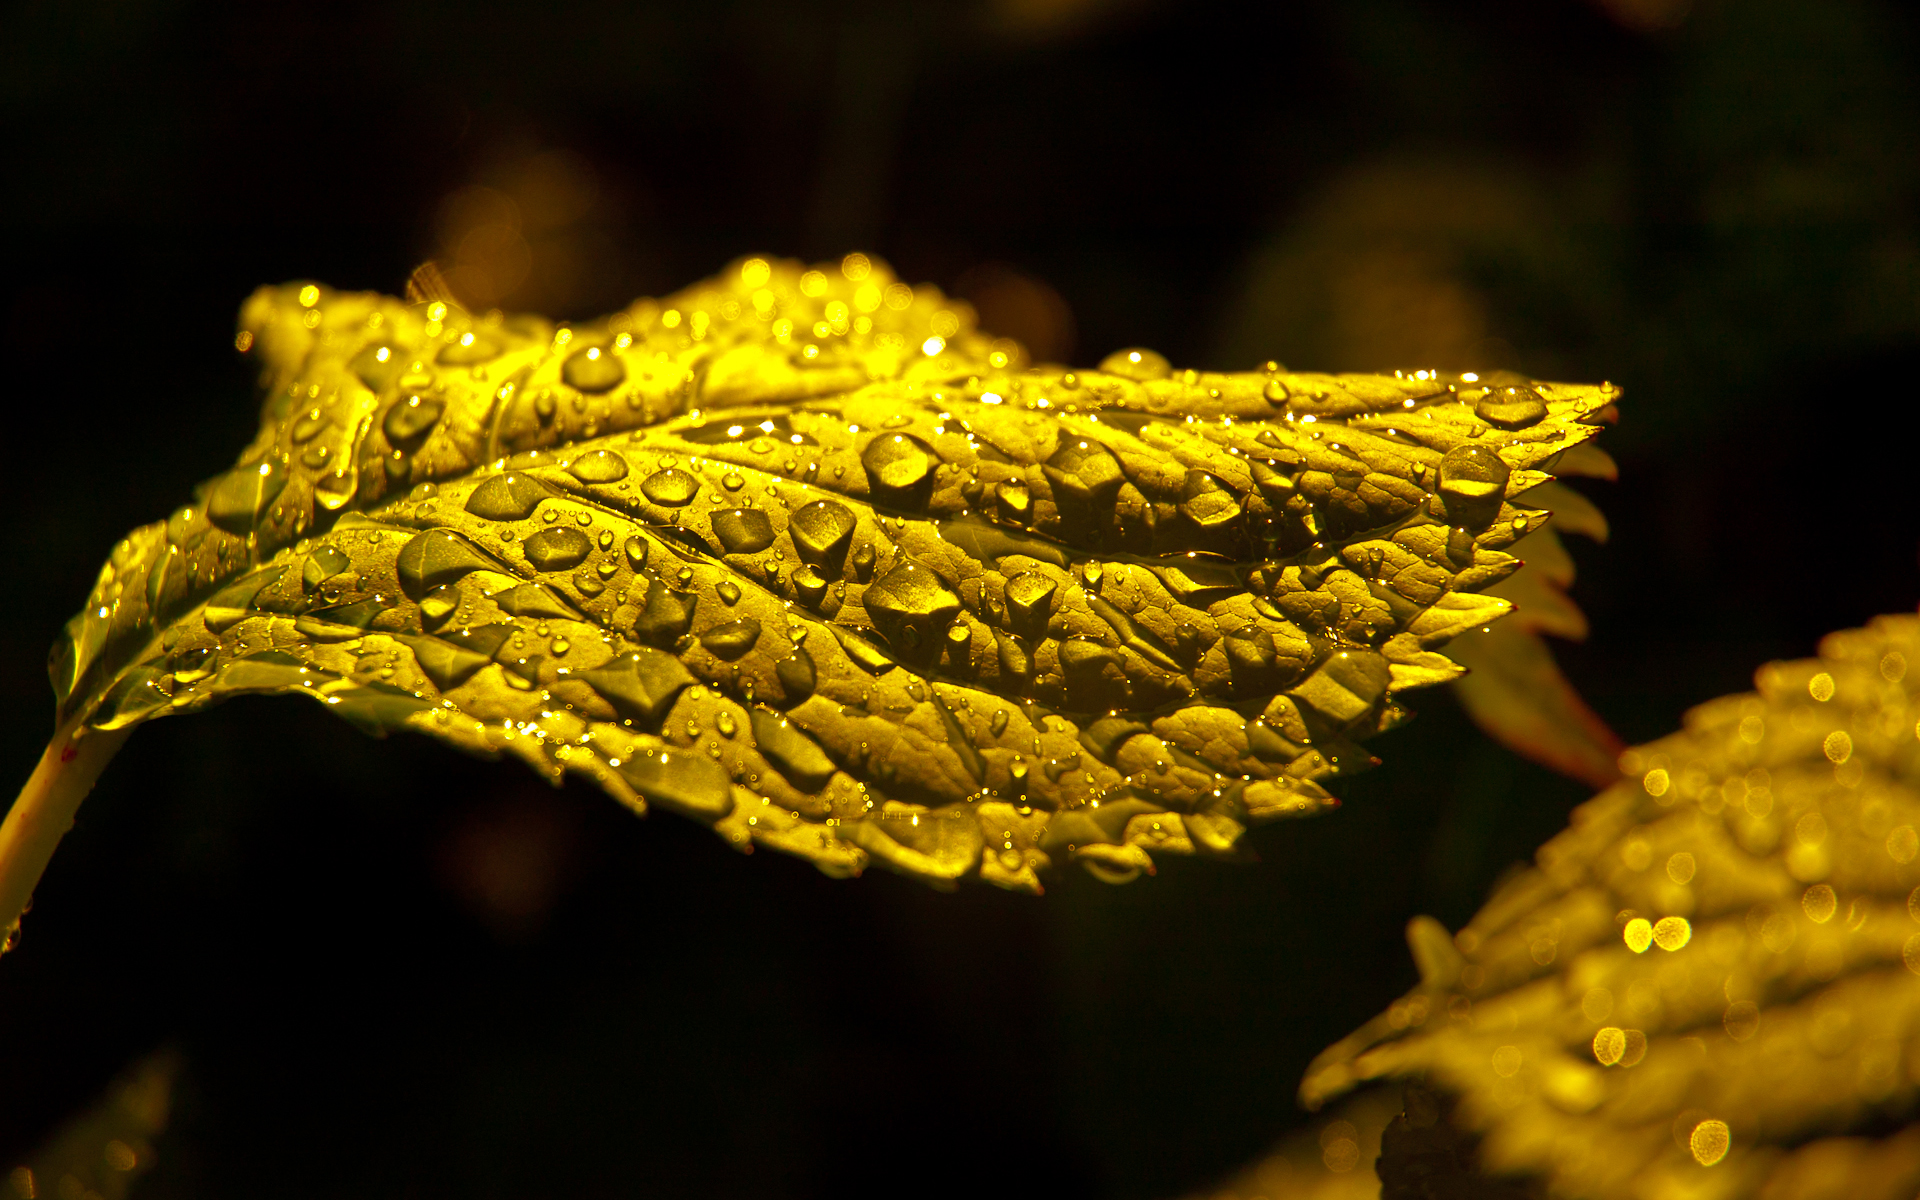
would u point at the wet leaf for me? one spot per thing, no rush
(802, 555)
(1710, 983)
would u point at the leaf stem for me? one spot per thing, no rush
(44, 811)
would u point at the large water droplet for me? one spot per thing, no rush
(557, 549)
(1137, 363)
(435, 557)
(743, 530)
(323, 564)
(733, 639)
(1014, 502)
(641, 685)
(1473, 481)
(792, 752)
(1514, 407)
(446, 664)
(1085, 477)
(409, 421)
(439, 605)
(1207, 502)
(593, 369)
(666, 615)
(376, 364)
(672, 487)
(810, 586)
(796, 675)
(912, 607)
(636, 548)
(244, 494)
(598, 466)
(899, 470)
(821, 533)
(531, 600)
(508, 497)
(1030, 601)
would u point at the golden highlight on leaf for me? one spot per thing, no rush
(1714, 972)
(801, 554)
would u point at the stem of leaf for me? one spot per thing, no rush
(44, 811)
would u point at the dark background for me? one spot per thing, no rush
(394, 971)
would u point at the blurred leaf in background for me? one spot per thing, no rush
(100, 1152)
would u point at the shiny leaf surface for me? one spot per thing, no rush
(802, 555)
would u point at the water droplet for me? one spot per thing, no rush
(593, 369)
(323, 564)
(1207, 502)
(911, 606)
(1015, 662)
(642, 685)
(598, 466)
(731, 481)
(1085, 478)
(1014, 501)
(446, 664)
(1473, 482)
(1514, 407)
(796, 676)
(672, 488)
(1030, 600)
(244, 494)
(899, 470)
(508, 497)
(437, 557)
(821, 533)
(810, 586)
(557, 549)
(1136, 363)
(409, 421)
(637, 547)
(743, 530)
(439, 605)
(791, 751)
(999, 722)
(733, 639)
(666, 615)
(307, 424)
(729, 592)
(470, 349)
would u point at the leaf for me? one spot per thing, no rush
(1712, 967)
(1515, 691)
(101, 1151)
(802, 555)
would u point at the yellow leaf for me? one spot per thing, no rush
(1713, 968)
(802, 555)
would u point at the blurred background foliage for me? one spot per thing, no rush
(394, 972)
